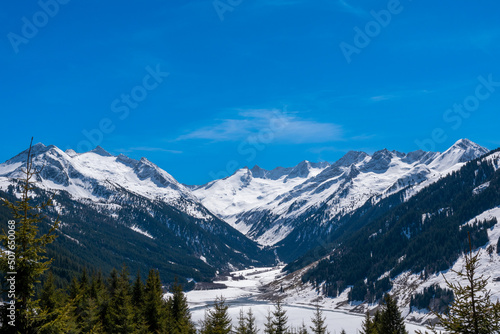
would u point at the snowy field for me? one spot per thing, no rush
(243, 294)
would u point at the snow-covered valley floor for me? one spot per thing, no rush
(245, 293)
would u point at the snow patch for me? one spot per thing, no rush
(137, 229)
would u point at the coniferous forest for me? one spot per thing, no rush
(34, 301)
(425, 234)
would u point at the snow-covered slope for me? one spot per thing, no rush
(139, 199)
(97, 175)
(460, 210)
(268, 205)
(404, 285)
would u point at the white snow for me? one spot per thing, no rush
(141, 231)
(243, 198)
(244, 294)
(94, 175)
(480, 188)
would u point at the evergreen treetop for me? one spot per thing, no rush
(22, 258)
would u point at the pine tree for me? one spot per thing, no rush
(120, 309)
(303, 329)
(280, 318)
(138, 305)
(472, 310)
(368, 326)
(217, 320)
(138, 291)
(97, 287)
(391, 320)
(89, 320)
(61, 320)
(250, 322)
(55, 314)
(48, 297)
(269, 326)
(178, 309)
(318, 321)
(23, 252)
(155, 310)
(242, 325)
(377, 320)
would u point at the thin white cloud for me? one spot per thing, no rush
(399, 95)
(381, 98)
(272, 124)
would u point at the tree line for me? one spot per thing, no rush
(96, 304)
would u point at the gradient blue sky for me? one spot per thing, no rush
(267, 84)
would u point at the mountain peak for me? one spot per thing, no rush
(38, 146)
(301, 170)
(100, 151)
(258, 172)
(351, 157)
(465, 144)
(70, 152)
(462, 151)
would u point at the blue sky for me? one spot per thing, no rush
(204, 87)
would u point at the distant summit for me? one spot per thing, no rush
(270, 206)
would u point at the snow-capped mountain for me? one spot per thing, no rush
(106, 200)
(409, 247)
(268, 206)
(97, 175)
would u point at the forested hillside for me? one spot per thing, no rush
(424, 234)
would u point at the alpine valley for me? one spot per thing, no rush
(395, 215)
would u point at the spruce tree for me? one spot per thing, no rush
(22, 258)
(368, 326)
(318, 321)
(139, 320)
(269, 326)
(57, 313)
(250, 322)
(48, 296)
(155, 309)
(391, 320)
(179, 313)
(280, 318)
(472, 311)
(89, 320)
(138, 291)
(303, 329)
(120, 309)
(242, 325)
(217, 320)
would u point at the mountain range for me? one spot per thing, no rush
(290, 208)
(116, 210)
